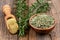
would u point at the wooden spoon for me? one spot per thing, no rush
(7, 12)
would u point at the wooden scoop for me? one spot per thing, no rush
(7, 12)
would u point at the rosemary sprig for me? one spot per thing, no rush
(21, 13)
(40, 6)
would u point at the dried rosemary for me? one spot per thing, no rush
(42, 21)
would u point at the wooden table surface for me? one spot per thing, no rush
(32, 35)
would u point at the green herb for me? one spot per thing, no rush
(40, 6)
(42, 21)
(23, 13)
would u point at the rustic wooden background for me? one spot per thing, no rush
(32, 35)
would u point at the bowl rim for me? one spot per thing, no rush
(52, 26)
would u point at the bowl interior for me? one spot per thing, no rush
(39, 28)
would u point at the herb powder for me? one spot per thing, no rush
(12, 25)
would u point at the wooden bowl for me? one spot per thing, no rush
(39, 30)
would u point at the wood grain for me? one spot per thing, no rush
(56, 12)
(32, 35)
(24, 37)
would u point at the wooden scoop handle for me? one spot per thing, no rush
(7, 10)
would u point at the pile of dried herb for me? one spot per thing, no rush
(42, 21)
(23, 12)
